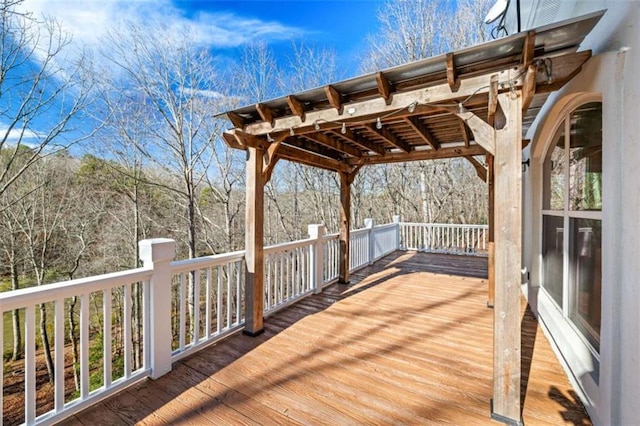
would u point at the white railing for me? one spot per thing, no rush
(134, 324)
(288, 274)
(207, 301)
(98, 304)
(444, 238)
(359, 253)
(385, 240)
(331, 250)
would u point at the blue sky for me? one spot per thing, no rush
(226, 26)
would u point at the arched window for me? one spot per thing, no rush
(572, 219)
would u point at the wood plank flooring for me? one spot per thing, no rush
(407, 342)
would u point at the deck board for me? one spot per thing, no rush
(408, 342)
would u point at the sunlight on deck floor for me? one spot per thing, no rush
(406, 343)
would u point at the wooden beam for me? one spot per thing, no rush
(480, 169)
(492, 104)
(430, 154)
(483, 134)
(384, 87)
(309, 159)
(345, 226)
(490, 245)
(563, 68)
(464, 130)
(368, 109)
(528, 49)
(422, 131)
(313, 147)
(238, 139)
(232, 140)
(508, 252)
(360, 141)
(332, 143)
(452, 76)
(297, 107)
(266, 113)
(334, 97)
(254, 243)
(270, 159)
(236, 119)
(389, 137)
(528, 87)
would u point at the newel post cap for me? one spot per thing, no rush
(157, 250)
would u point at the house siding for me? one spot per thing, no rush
(608, 381)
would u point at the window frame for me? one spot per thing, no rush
(568, 284)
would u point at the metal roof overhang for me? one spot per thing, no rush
(411, 112)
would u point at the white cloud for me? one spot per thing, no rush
(13, 137)
(18, 135)
(90, 20)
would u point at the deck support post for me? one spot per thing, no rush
(505, 405)
(316, 269)
(490, 232)
(254, 243)
(396, 221)
(157, 254)
(369, 223)
(345, 225)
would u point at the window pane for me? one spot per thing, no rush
(586, 277)
(585, 144)
(554, 173)
(552, 248)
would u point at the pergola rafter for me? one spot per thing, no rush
(463, 104)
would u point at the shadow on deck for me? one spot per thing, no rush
(408, 342)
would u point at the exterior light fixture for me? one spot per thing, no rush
(378, 124)
(344, 129)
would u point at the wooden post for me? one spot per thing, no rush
(508, 232)
(490, 246)
(254, 243)
(345, 220)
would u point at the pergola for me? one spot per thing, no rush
(468, 103)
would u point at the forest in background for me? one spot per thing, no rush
(132, 148)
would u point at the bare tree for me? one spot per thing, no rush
(172, 83)
(38, 216)
(44, 89)
(410, 31)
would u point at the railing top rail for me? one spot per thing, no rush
(288, 246)
(385, 226)
(17, 299)
(359, 231)
(179, 266)
(441, 225)
(327, 237)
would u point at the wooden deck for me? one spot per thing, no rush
(405, 343)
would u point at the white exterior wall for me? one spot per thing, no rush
(609, 382)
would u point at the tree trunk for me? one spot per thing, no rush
(17, 332)
(74, 342)
(137, 288)
(426, 217)
(191, 296)
(45, 341)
